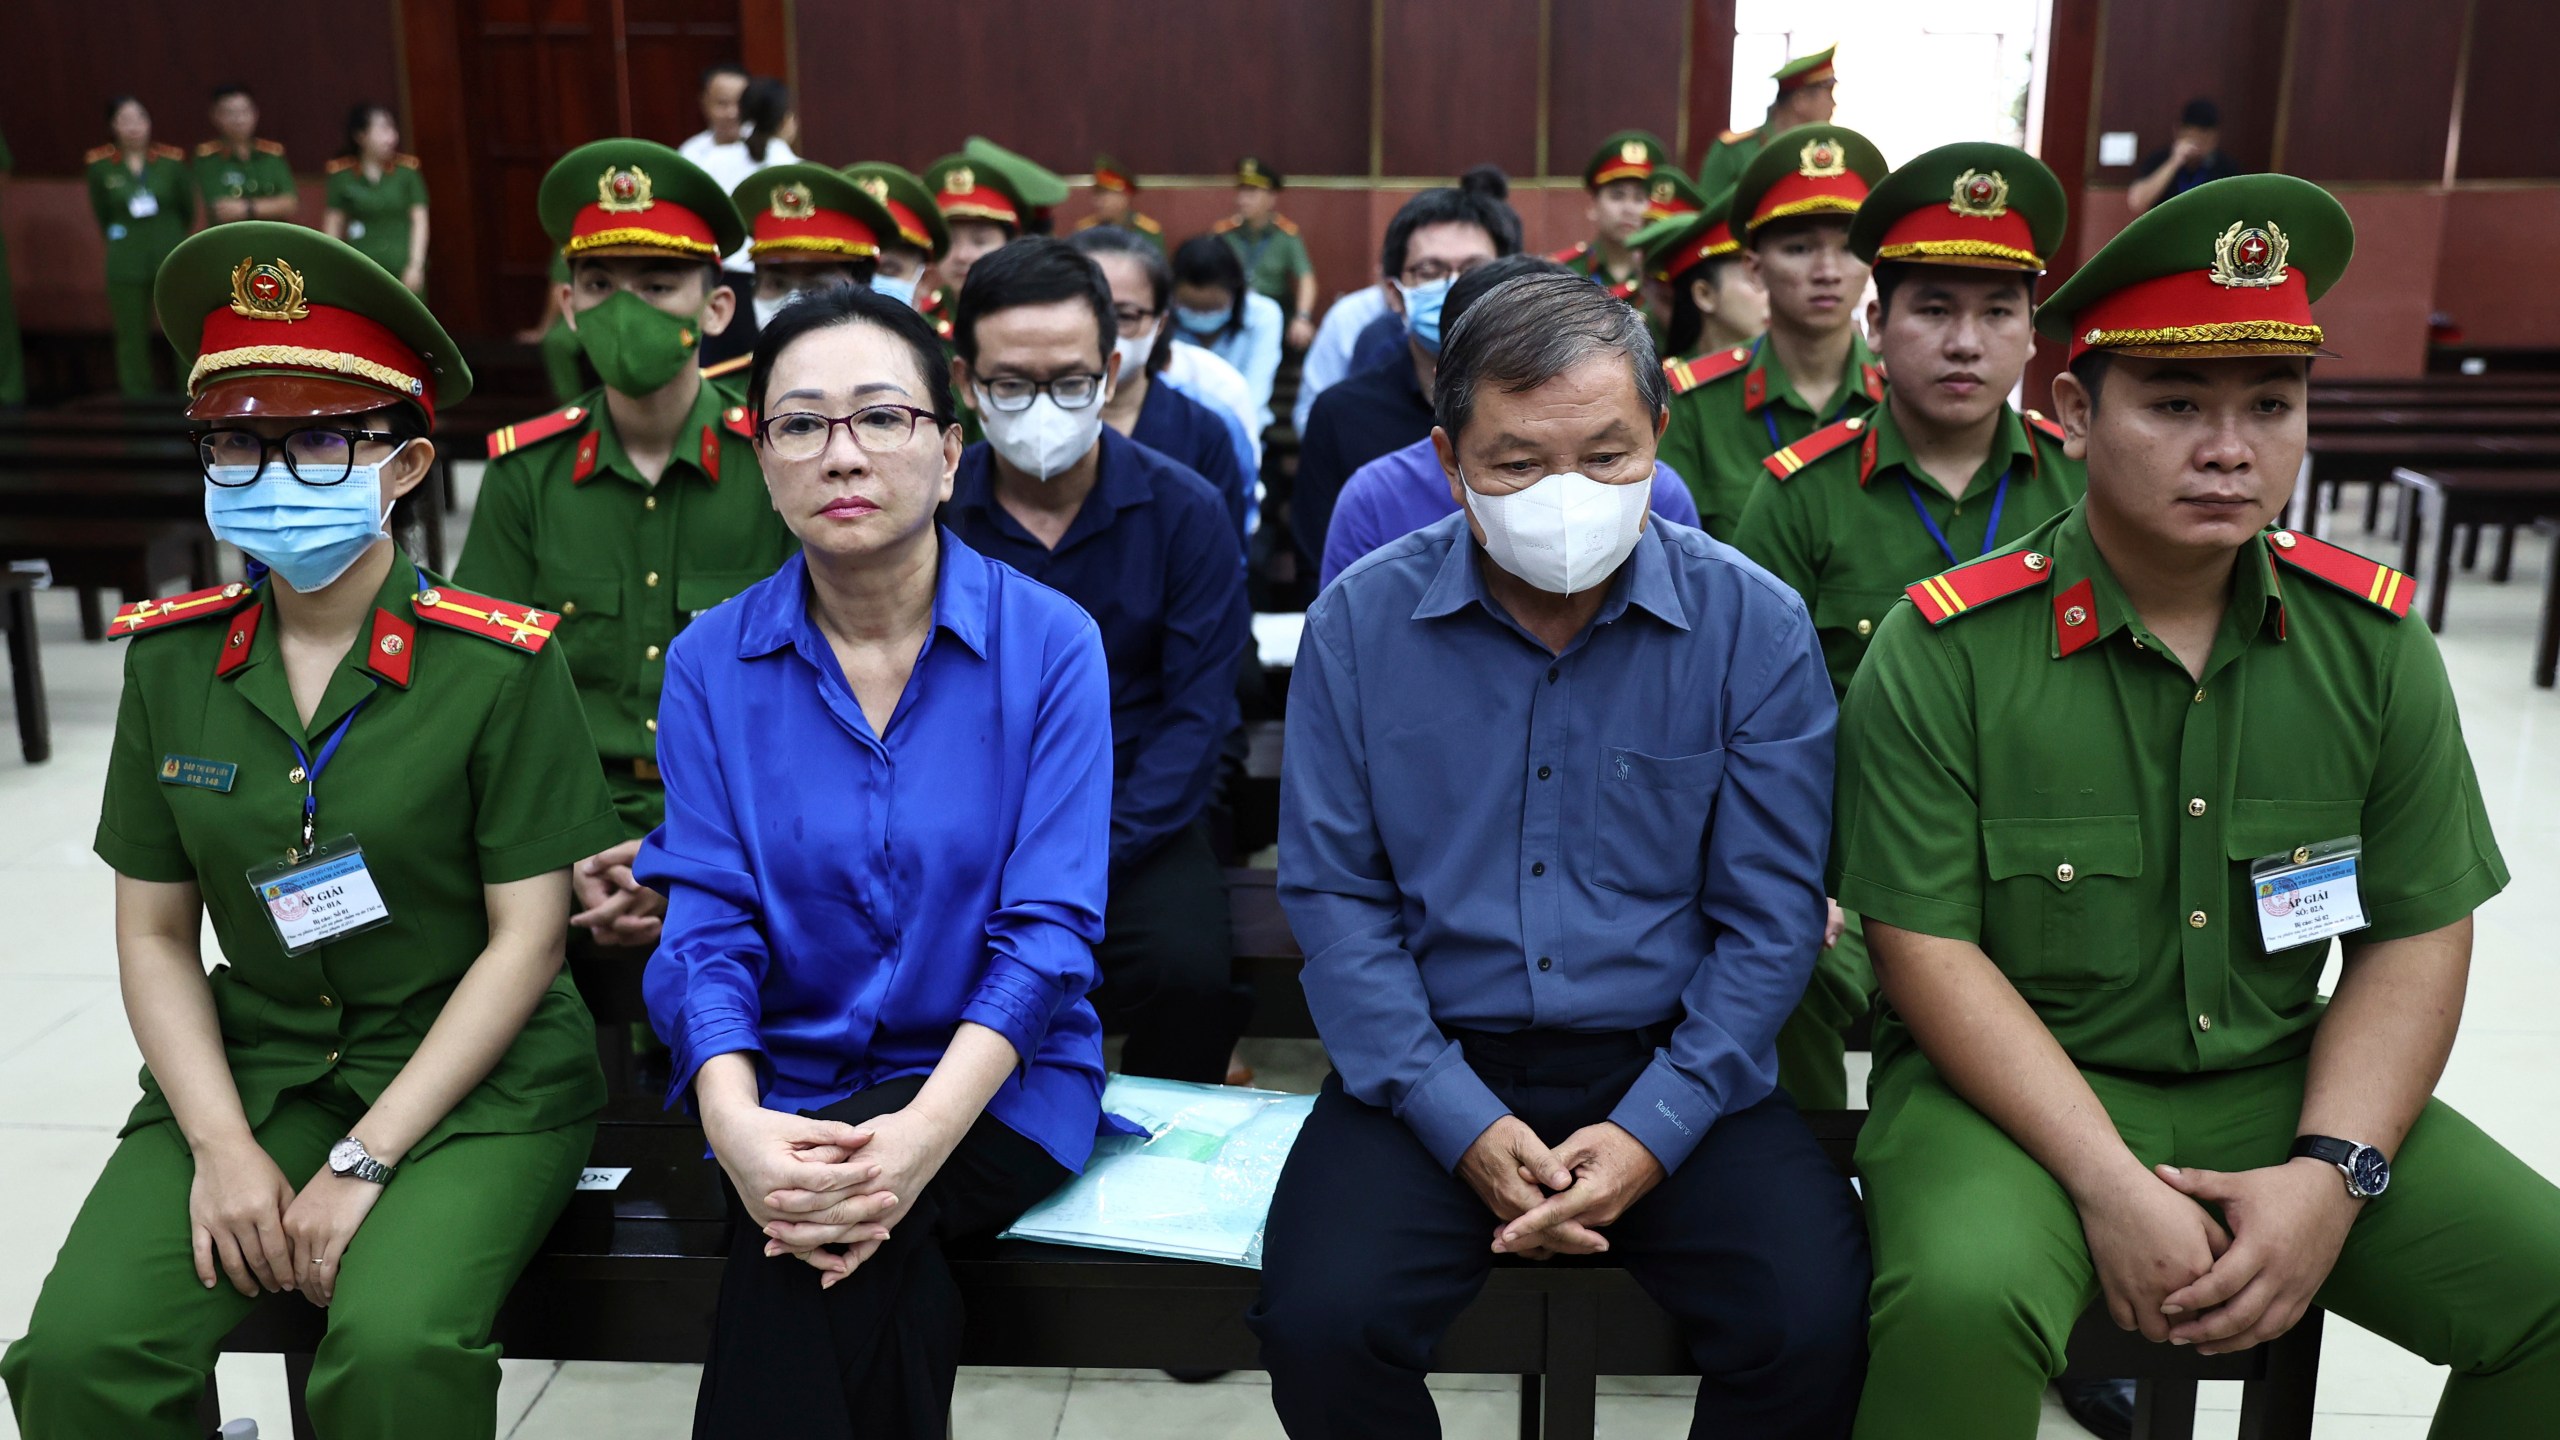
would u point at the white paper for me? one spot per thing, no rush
(2117, 147)
(2309, 902)
(319, 902)
(603, 1177)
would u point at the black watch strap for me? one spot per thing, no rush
(2326, 1149)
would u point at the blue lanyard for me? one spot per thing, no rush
(311, 768)
(1990, 533)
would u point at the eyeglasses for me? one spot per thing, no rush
(1432, 272)
(1131, 317)
(1072, 392)
(876, 430)
(314, 455)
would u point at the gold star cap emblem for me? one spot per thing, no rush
(1980, 195)
(2249, 256)
(271, 290)
(1633, 152)
(874, 186)
(959, 180)
(623, 190)
(792, 201)
(1821, 159)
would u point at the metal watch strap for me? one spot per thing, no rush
(368, 1169)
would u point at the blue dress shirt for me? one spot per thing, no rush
(1404, 490)
(838, 901)
(1184, 430)
(1152, 556)
(1478, 834)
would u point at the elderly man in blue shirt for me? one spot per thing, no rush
(1150, 550)
(1553, 824)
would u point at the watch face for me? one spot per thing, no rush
(344, 1155)
(2372, 1173)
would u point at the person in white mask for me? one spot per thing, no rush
(1555, 799)
(1146, 404)
(811, 228)
(1150, 550)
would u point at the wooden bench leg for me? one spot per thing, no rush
(1533, 1406)
(26, 679)
(2439, 577)
(2280, 1406)
(2503, 567)
(2470, 548)
(93, 614)
(2372, 505)
(2546, 641)
(209, 1407)
(1572, 1408)
(297, 1380)
(2164, 1410)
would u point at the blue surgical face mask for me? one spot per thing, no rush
(1203, 323)
(307, 534)
(1422, 311)
(902, 291)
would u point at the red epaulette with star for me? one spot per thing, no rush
(2042, 426)
(1943, 597)
(738, 422)
(167, 152)
(144, 615)
(507, 439)
(730, 366)
(97, 153)
(1871, 379)
(1146, 224)
(1571, 253)
(1284, 224)
(2371, 581)
(405, 161)
(1688, 375)
(518, 627)
(341, 164)
(1788, 459)
(1624, 289)
(1230, 223)
(265, 146)
(206, 149)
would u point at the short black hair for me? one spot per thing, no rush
(118, 102)
(227, 89)
(1688, 322)
(1889, 276)
(1208, 260)
(1034, 270)
(2090, 369)
(1472, 285)
(719, 68)
(1100, 240)
(1539, 326)
(1480, 198)
(853, 305)
(2201, 113)
(360, 119)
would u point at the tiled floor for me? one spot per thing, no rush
(67, 1065)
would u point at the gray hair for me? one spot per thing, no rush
(1525, 332)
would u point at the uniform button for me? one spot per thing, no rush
(649, 504)
(1552, 672)
(652, 653)
(1545, 964)
(294, 775)
(2199, 697)
(1544, 772)
(568, 607)
(2204, 1022)
(650, 724)
(333, 1057)
(326, 1002)
(1866, 627)
(2196, 806)
(2196, 921)
(651, 580)
(1538, 869)
(2064, 873)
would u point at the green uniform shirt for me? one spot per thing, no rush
(1978, 761)
(475, 772)
(1719, 433)
(1842, 530)
(377, 211)
(569, 522)
(1273, 255)
(222, 175)
(1728, 157)
(143, 216)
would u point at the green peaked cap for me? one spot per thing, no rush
(636, 197)
(2228, 268)
(1810, 170)
(1627, 155)
(899, 187)
(786, 209)
(1972, 204)
(1037, 184)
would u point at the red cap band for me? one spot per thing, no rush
(327, 342)
(1818, 75)
(2190, 313)
(1797, 193)
(1941, 235)
(1716, 240)
(820, 235)
(662, 226)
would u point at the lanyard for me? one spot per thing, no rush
(309, 768)
(1990, 532)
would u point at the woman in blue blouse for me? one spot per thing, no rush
(888, 776)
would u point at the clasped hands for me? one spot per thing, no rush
(2168, 1268)
(613, 906)
(1556, 1201)
(824, 1191)
(249, 1224)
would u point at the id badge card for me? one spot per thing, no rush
(143, 205)
(326, 895)
(2309, 894)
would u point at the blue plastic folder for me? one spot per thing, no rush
(1194, 1184)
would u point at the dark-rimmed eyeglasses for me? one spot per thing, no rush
(314, 455)
(876, 430)
(1013, 395)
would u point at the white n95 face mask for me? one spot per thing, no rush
(1564, 533)
(1043, 440)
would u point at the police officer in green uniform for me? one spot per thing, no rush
(810, 228)
(904, 267)
(1115, 202)
(985, 201)
(373, 784)
(1731, 408)
(1706, 291)
(377, 200)
(1266, 243)
(2106, 797)
(1944, 471)
(241, 176)
(1806, 86)
(142, 196)
(1620, 179)
(641, 504)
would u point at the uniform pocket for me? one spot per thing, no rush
(2065, 905)
(1653, 814)
(2272, 827)
(590, 608)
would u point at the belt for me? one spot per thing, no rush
(625, 767)
(1516, 1049)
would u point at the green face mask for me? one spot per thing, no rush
(637, 347)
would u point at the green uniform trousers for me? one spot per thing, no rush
(124, 1334)
(1981, 1268)
(129, 306)
(1813, 1046)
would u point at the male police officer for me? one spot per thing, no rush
(2105, 799)
(811, 228)
(1620, 179)
(241, 176)
(1805, 88)
(1266, 241)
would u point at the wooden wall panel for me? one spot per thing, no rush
(1166, 89)
(2372, 90)
(2159, 54)
(1710, 100)
(2494, 276)
(2510, 107)
(307, 61)
(1462, 86)
(2376, 315)
(1612, 65)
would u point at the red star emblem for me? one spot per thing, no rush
(2253, 250)
(623, 186)
(266, 287)
(1981, 190)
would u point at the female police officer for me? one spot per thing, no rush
(374, 784)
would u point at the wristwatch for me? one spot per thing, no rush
(2368, 1174)
(349, 1158)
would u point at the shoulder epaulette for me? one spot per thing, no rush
(738, 422)
(144, 615)
(507, 439)
(1284, 224)
(97, 153)
(518, 627)
(1788, 459)
(1943, 597)
(1871, 377)
(1223, 226)
(2371, 581)
(1571, 253)
(730, 366)
(1688, 375)
(405, 161)
(208, 148)
(268, 147)
(341, 164)
(1731, 137)
(1147, 223)
(167, 152)
(2036, 420)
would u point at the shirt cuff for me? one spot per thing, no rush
(1449, 1108)
(1012, 1014)
(1903, 910)
(722, 1032)
(1666, 1112)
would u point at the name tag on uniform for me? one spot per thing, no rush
(143, 205)
(355, 229)
(198, 773)
(326, 895)
(2309, 894)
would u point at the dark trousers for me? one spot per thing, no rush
(1754, 1245)
(1167, 958)
(873, 1357)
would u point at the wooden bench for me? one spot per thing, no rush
(2442, 501)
